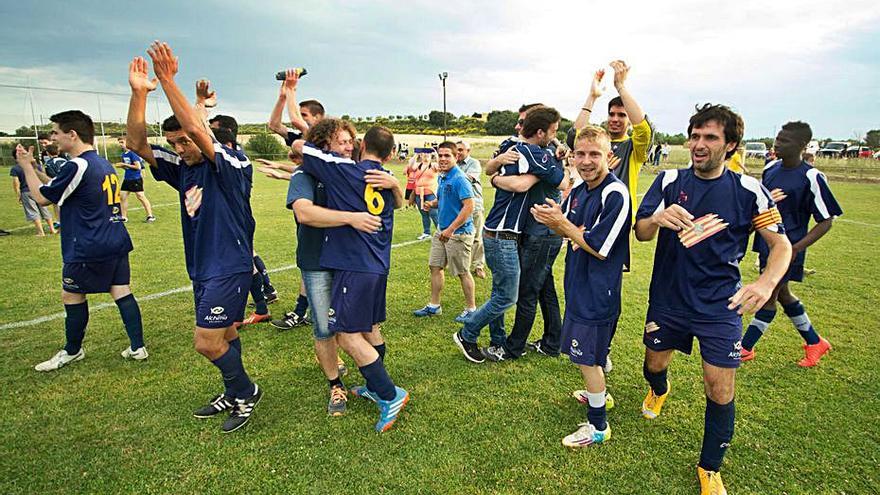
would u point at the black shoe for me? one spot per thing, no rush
(271, 297)
(538, 347)
(241, 412)
(470, 350)
(3, 232)
(217, 405)
(290, 320)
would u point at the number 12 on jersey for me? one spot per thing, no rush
(111, 187)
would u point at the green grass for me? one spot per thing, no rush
(106, 426)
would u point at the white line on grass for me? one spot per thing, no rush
(149, 297)
(857, 223)
(31, 226)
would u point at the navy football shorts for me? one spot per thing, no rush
(586, 343)
(719, 340)
(95, 277)
(795, 272)
(357, 301)
(220, 301)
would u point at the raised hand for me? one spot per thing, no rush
(24, 157)
(204, 93)
(139, 76)
(620, 72)
(288, 85)
(596, 87)
(165, 64)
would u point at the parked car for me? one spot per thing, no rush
(756, 150)
(833, 149)
(855, 151)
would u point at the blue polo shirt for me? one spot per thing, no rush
(128, 158)
(453, 188)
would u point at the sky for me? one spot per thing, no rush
(772, 62)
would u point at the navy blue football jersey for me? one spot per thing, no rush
(346, 248)
(805, 193)
(509, 212)
(592, 286)
(696, 271)
(87, 191)
(215, 209)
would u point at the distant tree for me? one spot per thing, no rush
(872, 138)
(24, 131)
(435, 118)
(346, 117)
(501, 122)
(264, 145)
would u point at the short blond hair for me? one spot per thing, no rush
(594, 134)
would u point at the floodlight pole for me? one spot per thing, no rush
(443, 76)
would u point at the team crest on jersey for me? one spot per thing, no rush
(193, 200)
(545, 158)
(216, 310)
(704, 227)
(682, 197)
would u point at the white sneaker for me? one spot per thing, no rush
(138, 355)
(59, 360)
(585, 435)
(608, 366)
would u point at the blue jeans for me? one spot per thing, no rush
(318, 284)
(502, 258)
(537, 255)
(432, 215)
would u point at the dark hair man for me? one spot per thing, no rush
(505, 223)
(800, 192)
(94, 242)
(133, 181)
(219, 246)
(451, 245)
(702, 218)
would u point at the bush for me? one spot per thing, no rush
(264, 145)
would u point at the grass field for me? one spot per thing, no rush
(104, 425)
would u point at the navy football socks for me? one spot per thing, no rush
(381, 350)
(236, 344)
(302, 304)
(798, 316)
(131, 317)
(75, 326)
(264, 273)
(596, 412)
(717, 433)
(257, 294)
(657, 381)
(378, 380)
(757, 327)
(238, 383)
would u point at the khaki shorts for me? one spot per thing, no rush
(454, 253)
